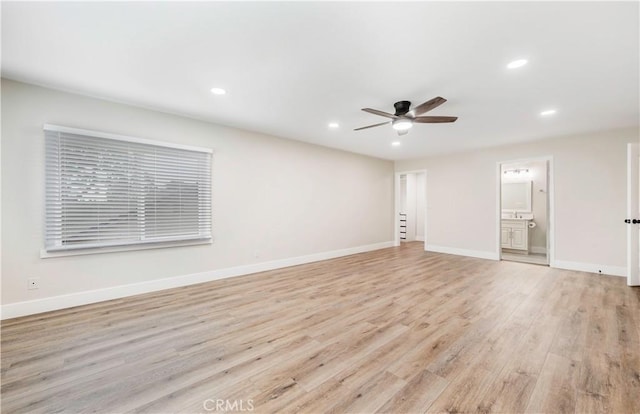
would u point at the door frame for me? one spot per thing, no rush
(396, 212)
(633, 278)
(550, 205)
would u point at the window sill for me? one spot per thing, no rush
(127, 248)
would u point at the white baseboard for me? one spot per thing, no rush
(462, 252)
(591, 268)
(14, 310)
(419, 238)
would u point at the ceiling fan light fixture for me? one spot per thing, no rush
(405, 117)
(402, 124)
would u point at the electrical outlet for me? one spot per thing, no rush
(34, 283)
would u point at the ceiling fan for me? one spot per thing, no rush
(404, 118)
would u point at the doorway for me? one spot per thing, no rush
(411, 207)
(524, 211)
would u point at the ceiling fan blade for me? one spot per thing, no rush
(374, 125)
(434, 119)
(427, 106)
(376, 112)
(401, 133)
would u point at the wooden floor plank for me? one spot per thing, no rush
(397, 330)
(418, 395)
(555, 390)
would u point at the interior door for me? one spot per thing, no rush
(633, 215)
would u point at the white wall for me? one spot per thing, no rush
(403, 194)
(590, 198)
(273, 198)
(411, 207)
(421, 204)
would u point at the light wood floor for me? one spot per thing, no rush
(533, 258)
(396, 330)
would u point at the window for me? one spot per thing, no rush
(105, 190)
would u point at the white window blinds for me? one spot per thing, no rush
(106, 190)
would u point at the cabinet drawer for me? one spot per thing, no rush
(514, 224)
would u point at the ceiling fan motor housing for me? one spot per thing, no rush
(402, 107)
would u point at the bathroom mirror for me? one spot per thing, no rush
(516, 197)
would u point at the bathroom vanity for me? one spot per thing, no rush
(516, 216)
(515, 234)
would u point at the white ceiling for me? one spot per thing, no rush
(291, 68)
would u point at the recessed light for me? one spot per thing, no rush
(517, 64)
(333, 125)
(548, 112)
(396, 143)
(218, 91)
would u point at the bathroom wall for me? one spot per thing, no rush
(538, 235)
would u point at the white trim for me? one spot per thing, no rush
(99, 134)
(498, 209)
(462, 252)
(13, 310)
(550, 203)
(551, 211)
(591, 268)
(396, 210)
(632, 272)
